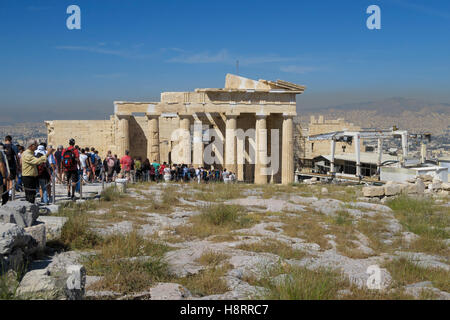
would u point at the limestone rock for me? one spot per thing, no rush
(443, 193)
(392, 189)
(445, 186)
(53, 226)
(416, 290)
(371, 206)
(169, 291)
(20, 212)
(38, 284)
(420, 186)
(409, 237)
(425, 177)
(435, 185)
(373, 191)
(76, 282)
(417, 188)
(12, 236)
(38, 233)
(324, 190)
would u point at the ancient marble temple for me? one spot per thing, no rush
(246, 127)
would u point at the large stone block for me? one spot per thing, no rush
(420, 186)
(53, 226)
(37, 284)
(38, 233)
(76, 282)
(392, 189)
(373, 191)
(19, 212)
(12, 236)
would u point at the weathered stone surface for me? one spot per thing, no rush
(12, 236)
(424, 260)
(53, 226)
(445, 186)
(169, 291)
(20, 212)
(38, 233)
(435, 185)
(38, 284)
(409, 237)
(328, 207)
(392, 189)
(371, 206)
(417, 289)
(76, 282)
(425, 177)
(420, 186)
(373, 191)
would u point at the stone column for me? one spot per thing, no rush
(198, 144)
(153, 138)
(287, 151)
(185, 139)
(261, 149)
(230, 143)
(123, 135)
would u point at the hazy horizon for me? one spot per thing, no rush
(133, 51)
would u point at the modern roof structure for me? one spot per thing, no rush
(365, 157)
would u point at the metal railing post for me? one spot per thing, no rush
(13, 190)
(54, 186)
(81, 186)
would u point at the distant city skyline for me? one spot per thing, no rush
(136, 50)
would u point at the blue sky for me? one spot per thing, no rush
(133, 50)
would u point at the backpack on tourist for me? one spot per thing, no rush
(10, 154)
(110, 162)
(68, 159)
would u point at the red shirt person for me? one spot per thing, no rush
(125, 162)
(70, 160)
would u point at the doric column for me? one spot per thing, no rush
(230, 143)
(261, 149)
(153, 138)
(185, 139)
(198, 143)
(123, 135)
(287, 151)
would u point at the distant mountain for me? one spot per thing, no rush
(395, 105)
(410, 114)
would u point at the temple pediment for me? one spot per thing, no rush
(242, 84)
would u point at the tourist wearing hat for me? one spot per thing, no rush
(30, 171)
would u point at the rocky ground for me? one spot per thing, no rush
(216, 241)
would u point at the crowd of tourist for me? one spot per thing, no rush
(33, 169)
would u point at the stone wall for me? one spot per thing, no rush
(87, 133)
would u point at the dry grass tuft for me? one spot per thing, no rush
(207, 282)
(405, 272)
(216, 219)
